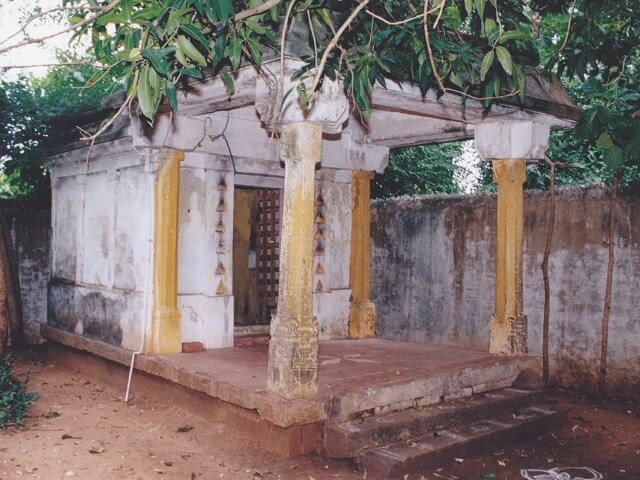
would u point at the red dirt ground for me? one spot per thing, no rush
(98, 436)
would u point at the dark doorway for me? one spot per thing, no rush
(256, 253)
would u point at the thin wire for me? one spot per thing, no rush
(224, 137)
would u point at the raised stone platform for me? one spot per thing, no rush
(357, 378)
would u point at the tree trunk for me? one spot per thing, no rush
(602, 381)
(551, 216)
(9, 266)
(4, 318)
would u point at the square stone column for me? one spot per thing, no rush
(362, 313)
(166, 328)
(509, 146)
(293, 350)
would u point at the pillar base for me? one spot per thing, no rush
(293, 356)
(362, 320)
(509, 335)
(166, 333)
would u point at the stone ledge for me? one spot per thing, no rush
(273, 409)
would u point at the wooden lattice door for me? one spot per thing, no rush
(267, 238)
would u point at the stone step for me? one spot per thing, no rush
(349, 439)
(423, 453)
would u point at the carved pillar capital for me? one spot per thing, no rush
(278, 103)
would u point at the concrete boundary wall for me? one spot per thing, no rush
(433, 275)
(30, 226)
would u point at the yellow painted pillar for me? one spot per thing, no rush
(509, 144)
(362, 313)
(166, 332)
(509, 324)
(293, 350)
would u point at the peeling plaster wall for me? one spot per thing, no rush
(205, 292)
(331, 303)
(433, 276)
(101, 245)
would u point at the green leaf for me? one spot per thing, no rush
(223, 9)
(254, 50)
(234, 51)
(613, 158)
(131, 55)
(75, 19)
(514, 35)
(302, 96)
(195, 33)
(159, 63)
(220, 45)
(520, 82)
(504, 57)
(228, 82)
(191, 72)
(490, 26)
(145, 93)
(170, 92)
(486, 64)
(480, 4)
(468, 6)
(497, 83)
(604, 141)
(455, 79)
(190, 50)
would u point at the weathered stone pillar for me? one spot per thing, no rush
(166, 332)
(509, 146)
(362, 313)
(508, 323)
(293, 351)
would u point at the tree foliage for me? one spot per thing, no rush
(419, 170)
(31, 108)
(15, 401)
(601, 51)
(474, 46)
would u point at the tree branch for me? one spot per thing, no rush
(86, 21)
(250, 12)
(44, 14)
(566, 36)
(333, 43)
(42, 65)
(427, 40)
(551, 217)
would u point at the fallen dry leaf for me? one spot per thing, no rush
(502, 463)
(96, 450)
(459, 460)
(186, 428)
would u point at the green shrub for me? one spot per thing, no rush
(14, 400)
